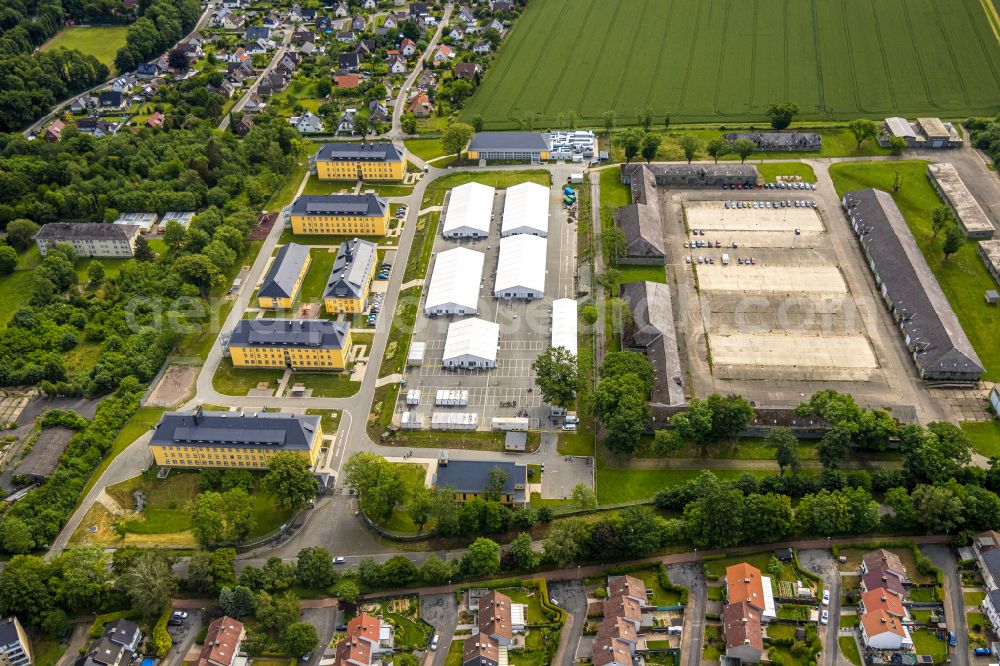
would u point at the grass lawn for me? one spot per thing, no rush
(455, 653)
(854, 555)
(850, 621)
(284, 194)
(576, 444)
(314, 283)
(985, 436)
(716, 569)
(412, 475)
(769, 171)
(660, 595)
(425, 149)
(974, 620)
(919, 616)
(641, 274)
(237, 381)
(973, 598)
(45, 649)
(780, 631)
(962, 276)
(102, 42)
(15, 289)
(112, 267)
(317, 186)
(689, 59)
(529, 596)
(143, 420)
(715, 593)
(926, 642)
(620, 484)
(398, 344)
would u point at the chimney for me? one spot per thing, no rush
(198, 413)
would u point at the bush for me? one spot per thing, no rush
(161, 637)
(600, 593)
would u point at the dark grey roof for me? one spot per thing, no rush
(780, 140)
(285, 270)
(357, 152)
(258, 32)
(994, 596)
(368, 205)
(311, 333)
(8, 632)
(70, 231)
(472, 476)
(699, 169)
(122, 632)
(926, 316)
(228, 429)
(643, 230)
(508, 141)
(652, 329)
(104, 651)
(43, 458)
(350, 269)
(991, 558)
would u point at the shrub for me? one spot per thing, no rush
(161, 637)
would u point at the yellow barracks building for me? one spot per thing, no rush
(355, 214)
(360, 161)
(227, 440)
(351, 277)
(284, 279)
(300, 344)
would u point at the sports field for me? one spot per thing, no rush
(101, 41)
(713, 60)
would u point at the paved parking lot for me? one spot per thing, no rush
(525, 331)
(714, 216)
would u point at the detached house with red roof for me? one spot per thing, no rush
(742, 631)
(618, 635)
(744, 582)
(882, 615)
(882, 569)
(222, 643)
(366, 640)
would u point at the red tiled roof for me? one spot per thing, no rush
(495, 615)
(221, 642)
(743, 582)
(741, 626)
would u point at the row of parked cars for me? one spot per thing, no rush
(798, 203)
(789, 186)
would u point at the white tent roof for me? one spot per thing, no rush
(526, 205)
(521, 263)
(470, 205)
(473, 337)
(564, 324)
(456, 277)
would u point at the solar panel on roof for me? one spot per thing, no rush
(300, 337)
(243, 435)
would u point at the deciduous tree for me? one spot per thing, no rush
(782, 114)
(718, 147)
(290, 481)
(863, 128)
(557, 376)
(691, 145)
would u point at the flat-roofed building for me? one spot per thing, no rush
(89, 239)
(924, 133)
(351, 277)
(284, 279)
(471, 344)
(531, 146)
(526, 210)
(469, 211)
(300, 344)
(989, 252)
(471, 478)
(968, 212)
(564, 324)
(145, 221)
(359, 161)
(15, 647)
(183, 218)
(454, 285)
(328, 214)
(226, 440)
(521, 267)
(932, 333)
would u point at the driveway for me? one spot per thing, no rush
(572, 598)
(183, 637)
(821, 562)
(954, 605)
(441, 612)
(692, 576)
(325, 622)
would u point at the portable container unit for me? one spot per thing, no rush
(411, 421)
(454, 420)
(413, 397)
(510, 423)
(451, 398)
(416, 353)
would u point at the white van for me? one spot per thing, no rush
(725, 259)
(434, 642)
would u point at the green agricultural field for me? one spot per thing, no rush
(102, 42)
(727, 61)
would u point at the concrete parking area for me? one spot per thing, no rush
(508, 390)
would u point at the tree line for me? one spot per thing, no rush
(161, 25)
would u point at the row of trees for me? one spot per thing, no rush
(626, 378)
(161, 25)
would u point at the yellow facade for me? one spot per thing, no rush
(280, 356)
(505, 498)
(357, 225)
(361, 169)
(227, 457)
(351, 305)
(286, 303)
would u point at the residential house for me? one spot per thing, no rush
(882, 569)
(407, 47)
(97, 127)
(471, 478)
(427, 79)
(377, 112)
(480, 650)
(742, 632)
(124, 633)
(260, 47)
(617, 634)
(147, 70)
(987, 548)
(498, 26)
(295, 14)
(307, 123)
(468, 70)
(501, 6)
(272, 83)
(303, 36)
(882, 620)
(358, 23)
(346, 122)
(271, 20)
(496, 617)
(341, 11)
(482, 48)
(420, 105)
(222, 642)
(103, 652)
(309, 49)
(112, 99)
(365, 47)
(990, 607)
(253, 33)
(324, 24)
(308, 15)
(744, 582)
(443, 54)
(245, 125)
(155, 121)
(349, 62)
(397, 65)
(457, 33)
(367, 638)
(83, 103)
(54, 131)
(15, 646)
(390, 22)
(466, 15)
(345, 37)
(418, 10)
(369, 5)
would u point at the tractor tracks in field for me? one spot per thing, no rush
(628, 60)
(885, 59)
(660, 52)
(951, 54)
(920, 64)
(566, 62)
(690, 62)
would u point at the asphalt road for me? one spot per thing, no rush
(441, 612)
(954, 605)
(325, 622)
(571, 597)
(183, 637)
(821, 562)
(692, 576)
